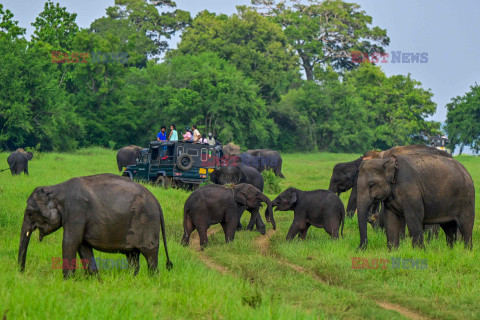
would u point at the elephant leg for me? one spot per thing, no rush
(258, 221)
(202, 233)
(292, 232)
(230, 228)
(450, 229)
(134, 261)
(72, 239)
(240, 214)
(352, 202)
(466, 229)
(188, 229)
(392, 229)
(414, 219)
(303, 233)
(151, 255)
(88, 260)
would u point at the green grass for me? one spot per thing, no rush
(308, 279)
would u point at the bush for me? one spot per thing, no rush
(271, 182)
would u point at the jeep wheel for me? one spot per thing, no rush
(163, 182)
(185, 162)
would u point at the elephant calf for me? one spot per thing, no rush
(319, 208)
(242, 174)
(212, 204)
(18, 161)
(104, 212)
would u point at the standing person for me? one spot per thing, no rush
(173, 136)
(210, 139)
(197, 137)
(162, 135)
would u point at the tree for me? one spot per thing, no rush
(56, 26)
(9, 27)
(463, 120)
(142, 26)
(34, 109)
(325, 32)
(252, 43)
(202, 89)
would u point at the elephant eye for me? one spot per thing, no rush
(371, 184)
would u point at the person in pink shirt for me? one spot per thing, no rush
(187, 136)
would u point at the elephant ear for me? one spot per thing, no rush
(240, 196)
(391, 169)
(293, 198)
(242, 177)
(29, 156)
(214, 176)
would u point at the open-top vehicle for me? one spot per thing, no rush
(174, 164)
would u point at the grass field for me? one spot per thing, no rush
(255, 277)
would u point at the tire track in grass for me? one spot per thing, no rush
(263, 244)
(195, 245)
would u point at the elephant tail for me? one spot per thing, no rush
(343, 220)
(162, 224)
(4, 170)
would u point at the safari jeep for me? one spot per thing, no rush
(174, 164)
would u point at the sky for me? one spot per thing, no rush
(446, 30)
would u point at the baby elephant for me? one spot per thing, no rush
(104, 212)
(319, 208)
(222, 204)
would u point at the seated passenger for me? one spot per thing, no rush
(162, 135)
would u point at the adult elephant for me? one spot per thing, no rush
(242, 174)
(420, 189)
(127, 156)
(231, 150)
(269, 159)
(104, 212)
(344, 175)
(18, 161)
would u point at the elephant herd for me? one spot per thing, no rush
(413, 186)
(416, 186)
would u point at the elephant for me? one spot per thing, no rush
(212, 204)
(320, 208)
(105, 212)
(128, 156)
(269, 159)
(18, 161)
(420, 189)
(241, 174)
(231, 150)
(344, 175)
(344, 178)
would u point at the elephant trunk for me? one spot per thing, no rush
(332, 187)
(25, 235)
(269, 211)
(362, 214)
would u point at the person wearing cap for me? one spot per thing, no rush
(210, 139)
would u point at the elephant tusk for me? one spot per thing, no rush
(28, 232)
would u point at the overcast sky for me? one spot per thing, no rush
(447, 30)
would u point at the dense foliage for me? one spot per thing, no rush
(463, 120)
(237, 76)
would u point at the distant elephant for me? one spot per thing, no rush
(105, 212)
(18, 161)
(344, 174)
(230, 150)
(250, 160)
(420, 189)
(212, 204)
(269, 159)
(242, 174)
(318, 208)
(128, 156)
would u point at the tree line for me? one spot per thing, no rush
(276, 74)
